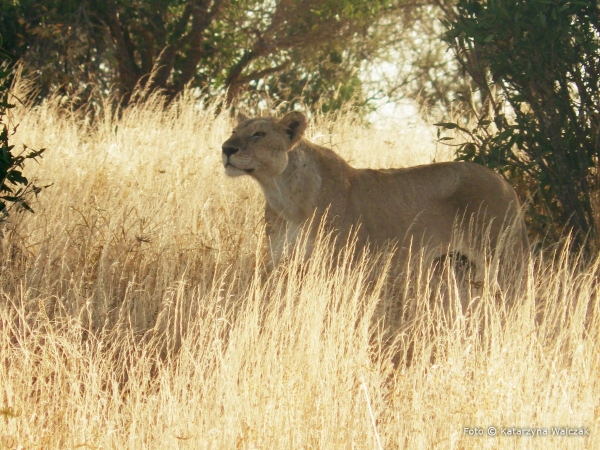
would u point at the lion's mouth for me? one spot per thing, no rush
(237, 168)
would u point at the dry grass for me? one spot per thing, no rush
(134, 312)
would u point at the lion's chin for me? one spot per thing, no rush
(232, 171)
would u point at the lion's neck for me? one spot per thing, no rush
(293, 195)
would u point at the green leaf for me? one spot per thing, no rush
(10, 198)
(26, 206)
(17, 177)
(446, 125)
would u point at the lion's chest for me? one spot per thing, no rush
(293, 197)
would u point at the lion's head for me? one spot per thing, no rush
(260, 146)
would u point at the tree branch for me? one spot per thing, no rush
(202, 17)
(129, 72)
(263, 73)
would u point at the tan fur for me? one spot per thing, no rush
(416, 207)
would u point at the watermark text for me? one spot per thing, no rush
(514, 431)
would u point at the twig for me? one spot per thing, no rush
(364, 386)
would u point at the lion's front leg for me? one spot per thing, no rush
(276, 237)
(282, 236)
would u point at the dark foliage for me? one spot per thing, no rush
(541, 131)
(15, 188)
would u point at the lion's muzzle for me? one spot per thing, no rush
(228, 150)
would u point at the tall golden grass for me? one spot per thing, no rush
(135, 312)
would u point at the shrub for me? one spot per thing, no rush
(543, 56)
(15, 188)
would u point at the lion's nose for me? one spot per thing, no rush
(228, 150)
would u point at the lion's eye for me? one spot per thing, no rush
(259, 134)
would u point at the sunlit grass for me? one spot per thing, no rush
(135, 311)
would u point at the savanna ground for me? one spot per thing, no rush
(135, 311)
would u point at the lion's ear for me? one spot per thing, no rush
(241, 117)
(294, 124)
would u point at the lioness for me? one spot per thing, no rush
(416, 206)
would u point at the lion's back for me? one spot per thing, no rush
(426, 200)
